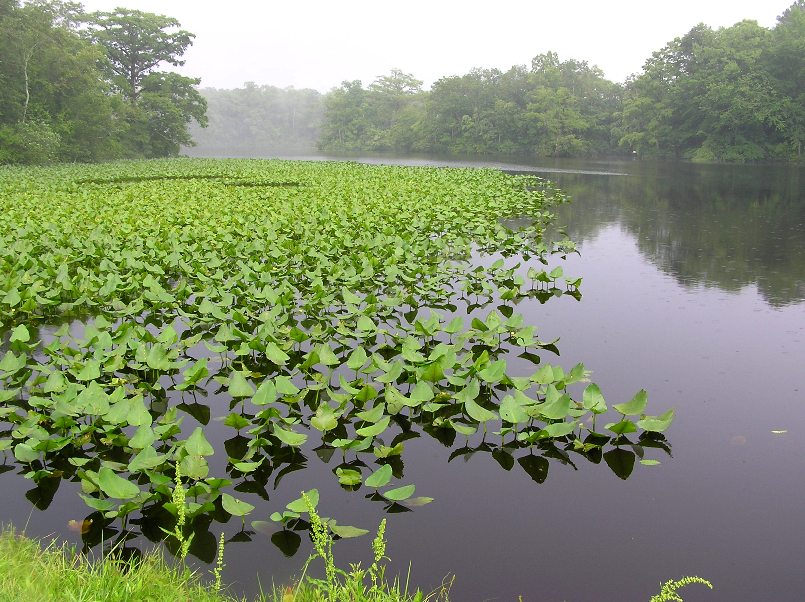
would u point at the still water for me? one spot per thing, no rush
(694, 289)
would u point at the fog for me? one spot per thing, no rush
(281, 57)
(318, 44)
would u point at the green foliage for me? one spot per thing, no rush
(29, 571)
(62, 98)
(721, 95)
(29, 142)
(136, 43)
(316, 294)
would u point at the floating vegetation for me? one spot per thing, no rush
(329, 308)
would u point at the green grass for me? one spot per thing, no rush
(33, 571)
(30, 571)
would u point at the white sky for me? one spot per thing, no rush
(320, 43)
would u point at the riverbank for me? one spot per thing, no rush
(49, 571)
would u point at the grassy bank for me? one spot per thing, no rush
(33, 570)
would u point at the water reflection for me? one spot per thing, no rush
(716, 226)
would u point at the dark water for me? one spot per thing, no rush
(694, 288)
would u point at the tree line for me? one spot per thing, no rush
(729, 94)
(87, 87)
(78, 86)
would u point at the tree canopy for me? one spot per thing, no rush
(88, 87)
(80, 87)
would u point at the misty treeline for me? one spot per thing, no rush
(86, 87)
(730, 94)
(255, 121)
(78, 86)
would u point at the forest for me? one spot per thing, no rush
(78, 86)
(68, 92)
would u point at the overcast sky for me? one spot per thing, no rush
(320, 43)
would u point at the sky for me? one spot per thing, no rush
(320, 43)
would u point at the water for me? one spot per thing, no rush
(694, 289)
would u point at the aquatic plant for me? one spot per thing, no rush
(332, 308)
(669, 591)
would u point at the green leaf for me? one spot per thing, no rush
(285, 386)
(289, 437)
(421, 393)
(345, 531)
(115, 486)
(197, 444)
(25, 453)
(194, 467)
(494, 372)
(98, 504)
(326, 355)
(20, 334)
(477, 412)
(372, 415)
(276, 355)
(357, 359)
(462, 429)
(400, 493)
(247, 467)
(374, 429)
(348, 476)
(146, 459)
(90, 371)
(194, 374)
(559, 429)
(239, 386)
(379, 478)
(138, 414)
(623, 427)
(266, 393)
(298, 505)
(512, 411)
(657, 424)
(415, 502)
(634, 407)
(94, 401)
(593, 400)
(395, 401)
(433, 372)
(324, 422)
(143, 437)
(157, 358)
(236, 421)
(649, 462)
(555, 410)
(234, 506)
(384, 451)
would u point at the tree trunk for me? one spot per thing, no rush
(27, 92)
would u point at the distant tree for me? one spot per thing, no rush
(345, 120)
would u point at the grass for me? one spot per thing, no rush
(57, 573)
(30, 570)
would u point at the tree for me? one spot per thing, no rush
(136, 43)
(161, 105)
(787, 65)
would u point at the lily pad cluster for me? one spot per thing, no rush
(336, 308)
